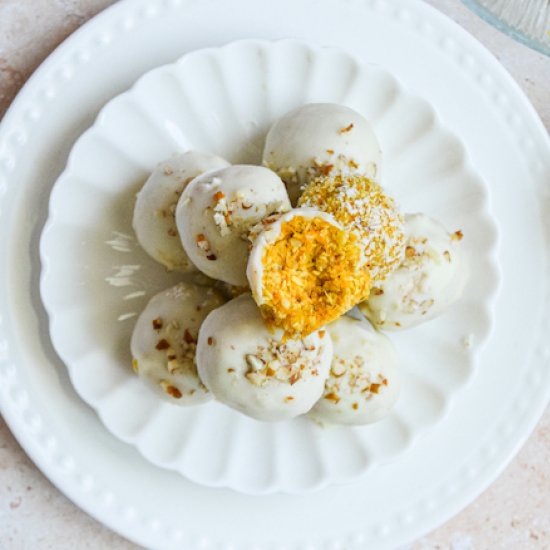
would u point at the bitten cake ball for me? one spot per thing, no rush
(363, 384)
(430, 278)
(362, 206)
(321, 139)
(254, 370)
(216, 212)
(305, 271)
(164, 342)
(154, 221)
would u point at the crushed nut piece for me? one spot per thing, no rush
(170, 389)
(457, 235)
(254, 362)
(256, 378)
(332, 397)
(162, 345)
(284, 362)
(294, 378)
(189, 338)
(348, 128)
(337, 369)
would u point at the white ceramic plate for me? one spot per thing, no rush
(223, 101)
(393, 503)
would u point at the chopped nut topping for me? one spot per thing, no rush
(204, 245)
(254, 362)
(294, 378)
(256, 378)
(457, 235)
(189, 338)
(170, 389)
(332, 397)
(337, 369)
(162, 345)
(284, 362)
(326, 169)
(157, 323)
(348, 128)
(350, 378)
(173, 365)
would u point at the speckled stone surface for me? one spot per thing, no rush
(514, 513)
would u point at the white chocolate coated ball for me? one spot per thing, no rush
(216, 212)
(364, 382)
(154, 213)
(321, 139)
(429, 280)
(251, 369)
(164, 342)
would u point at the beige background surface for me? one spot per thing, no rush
(514, 513)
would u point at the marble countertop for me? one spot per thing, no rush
(514, 513)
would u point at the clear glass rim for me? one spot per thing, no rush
(504, 27)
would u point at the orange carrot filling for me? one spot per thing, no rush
(312, 274)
